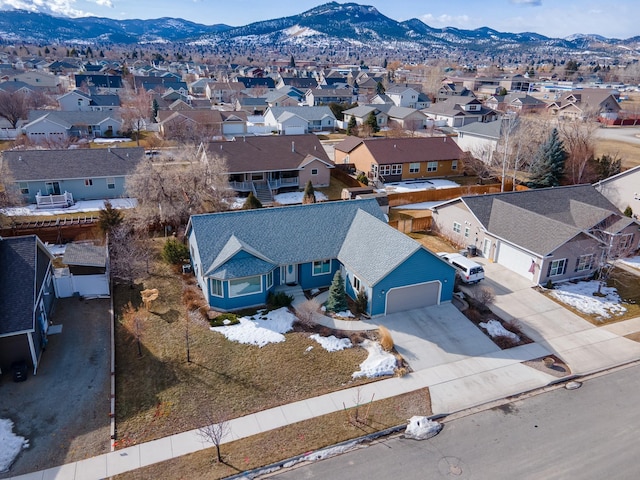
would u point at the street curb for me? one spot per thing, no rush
(315, 455)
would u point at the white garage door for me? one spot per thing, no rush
(295, 130)
(422, 295)
(514, 259)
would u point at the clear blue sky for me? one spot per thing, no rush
(557, 18)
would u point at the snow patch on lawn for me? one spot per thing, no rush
(631, 261)
(268, 328)
(580, 296)
(495, 329)
(11, 444)
(291, 198)
(332, 343)
(81, 206)
(435, 184)
(378, 363)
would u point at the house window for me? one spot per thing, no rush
(111, 183)
(88, 182)
(457, 227)
(216, 288)
(558, 267)
(24, 188)
(625, 242)
(454, 164)
(245, 286)
(414, 167)
(314, 171)
(322, 267)
(269, 279)
(466, 232)
(584, 262)
(396, 169)
(356, 284)
(432, 166)
(385, 169)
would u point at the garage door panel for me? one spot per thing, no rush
(413, 296)
(514, 259)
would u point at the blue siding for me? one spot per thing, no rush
(309, 281)
(245, 301)
(77, 188)
(421, 267)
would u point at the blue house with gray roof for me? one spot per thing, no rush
(240, 257)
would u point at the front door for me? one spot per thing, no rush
(486, 248)
(291, 274)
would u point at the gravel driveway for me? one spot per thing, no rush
(64, 410)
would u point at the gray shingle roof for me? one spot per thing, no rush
(354, 231)
(18, 267)
(540, 220)
(308, 113)
(74, 118)
(31, 165)
(271, 153)
(84, 254)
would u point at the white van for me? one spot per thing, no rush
(468, 270)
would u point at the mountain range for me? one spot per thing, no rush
(325, 26)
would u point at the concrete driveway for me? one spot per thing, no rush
(432, 336)
(583, 346)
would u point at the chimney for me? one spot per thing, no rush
(293, 146)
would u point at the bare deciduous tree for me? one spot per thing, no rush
(129, 254)
(135, 110)
(216, 429)
(579, 140)
(170, 189)
(613, 246)
(13, 107)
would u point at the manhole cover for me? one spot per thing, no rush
(451, 467)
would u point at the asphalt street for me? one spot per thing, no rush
(588, 433)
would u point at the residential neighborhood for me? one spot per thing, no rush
(216, 264)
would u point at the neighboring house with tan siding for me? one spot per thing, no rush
(396, 159)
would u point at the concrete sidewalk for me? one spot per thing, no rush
(456, 379)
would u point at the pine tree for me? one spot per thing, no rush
(548, 163)
(380, 88)
(292, 62)
(309, 194)
(337, 301)
(109, 217)
(372, 123)
(252, 202)
(352, 126)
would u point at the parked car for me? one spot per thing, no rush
(468, 270)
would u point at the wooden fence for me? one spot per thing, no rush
(406, 198)
(408, 225)
(341, 174)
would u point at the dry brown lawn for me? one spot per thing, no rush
(296, 439)
(628, 152)
(433, 242)
(160, 393)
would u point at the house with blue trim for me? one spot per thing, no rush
(239, 257)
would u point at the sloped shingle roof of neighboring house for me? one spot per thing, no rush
(272, 153)
(31, 165)
(348, 144)
(21, 264)
(540, 220)
(397, 112)
(12, 87)
(388, 151)
(490, 130)
(85, 254)
(308, 113)
(70, 119)
(300, 234)
(99, 80)
(452, 106)
(588, 98)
